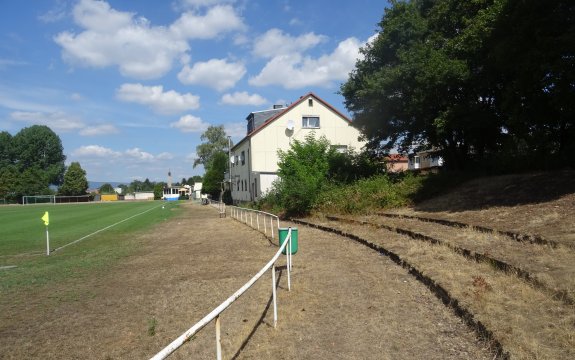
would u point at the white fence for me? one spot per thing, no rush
(237, 213)
(256, 219)
(221, 206)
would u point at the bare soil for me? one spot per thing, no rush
(347, 302)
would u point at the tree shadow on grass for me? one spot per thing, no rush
(456, 192)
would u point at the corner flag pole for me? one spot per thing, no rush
(46, 219)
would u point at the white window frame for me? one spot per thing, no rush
(305, 122)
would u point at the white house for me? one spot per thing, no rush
(425, 160)
(254, 160)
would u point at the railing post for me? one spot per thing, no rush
(251, 219)
(265, 226)
(274, 294)
(218, 339)
(272, 226)
(288, 253)
(258, 220)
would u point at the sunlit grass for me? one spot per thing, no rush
(23, 238)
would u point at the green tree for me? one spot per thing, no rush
(38, 146)
(6, 153)
(75, 182)
(125, 188)
(214, 141)
(472, 79)
(107, 189)
(303, 173)
(194, 179)
(532, 57)
(212, 181)
(9, 176)
(32, 182)
(147, 185)
(159, 191)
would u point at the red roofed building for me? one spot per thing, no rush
(254, 160)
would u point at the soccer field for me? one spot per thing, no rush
(22, 231)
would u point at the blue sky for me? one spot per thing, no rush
(129, 86)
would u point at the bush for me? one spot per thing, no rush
(367, 195)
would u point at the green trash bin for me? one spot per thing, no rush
(283, 232)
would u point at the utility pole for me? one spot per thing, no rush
(230, 162)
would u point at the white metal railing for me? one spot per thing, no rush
(215, 314)
(220, 205)
(262, 219)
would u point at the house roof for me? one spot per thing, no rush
(396, 158)
(283, 111)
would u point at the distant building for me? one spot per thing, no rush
(396, 163)
(425, 160)
(171, 193)
(254, 160)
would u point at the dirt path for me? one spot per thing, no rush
(347, 302)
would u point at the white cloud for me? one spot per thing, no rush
(105, 129)
(56, 14)
(115, 38)
(190, 123)
(217, 20)
(215, 73)
(139, 155)
(99, 16)
(165, 156)
(275, 43)
(130, 156)
(169, 102)
(191, 157)
(296, 71)
(58, 120)
(90, 151)
(243, 98)
(202, 3)
(236, 129)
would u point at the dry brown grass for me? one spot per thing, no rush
(347, 302)
(552, 267)
(528, 323)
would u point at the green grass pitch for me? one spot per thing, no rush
(23, 231)
(23, 238)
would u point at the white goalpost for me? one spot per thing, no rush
(38, 199)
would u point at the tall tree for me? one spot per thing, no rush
(75, 182)
(214, 140)
(467, 78)
(212, 182)
(9, 176)
(38, 146)
(107, 189)
(6, 153)
(532, 59)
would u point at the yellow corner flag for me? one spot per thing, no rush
(46, 218)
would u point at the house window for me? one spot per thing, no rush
(310, 102)
(310, 122)
(243, 157)
(256, 187)
(238, 185)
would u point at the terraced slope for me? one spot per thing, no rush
(524, 320)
